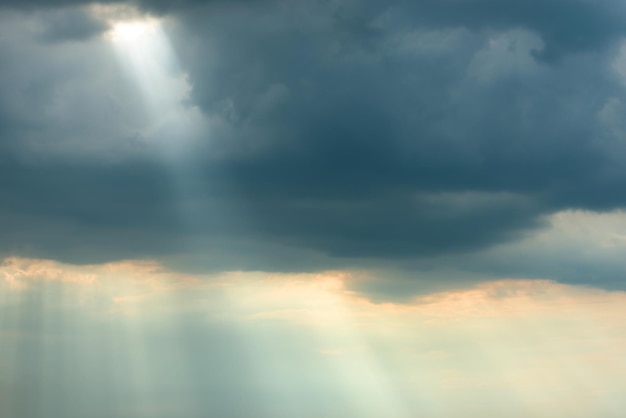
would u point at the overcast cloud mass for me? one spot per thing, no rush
(410, 148)
(341, 131)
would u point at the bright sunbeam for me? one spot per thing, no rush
(144, 51)
(172, 126)
(135, 31)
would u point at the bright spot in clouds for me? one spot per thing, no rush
(133, 31)
(143, 50)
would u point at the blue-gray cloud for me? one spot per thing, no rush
(342, 132)
(71, 25)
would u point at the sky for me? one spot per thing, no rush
(312, 208)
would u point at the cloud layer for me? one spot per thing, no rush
(319, 135)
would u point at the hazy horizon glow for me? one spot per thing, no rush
(172, 340)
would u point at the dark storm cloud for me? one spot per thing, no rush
(93, 216)
(157, 6)
(348, 130)
(565, 25)
(48, 4)
(370, 128)
(71, 25)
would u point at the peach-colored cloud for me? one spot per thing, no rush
(324, 297)
(19, 271)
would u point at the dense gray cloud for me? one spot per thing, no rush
(336, 133)
(72, 25)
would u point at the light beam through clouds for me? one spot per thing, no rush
(387, 159)
(174, 125)
(143, 49)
